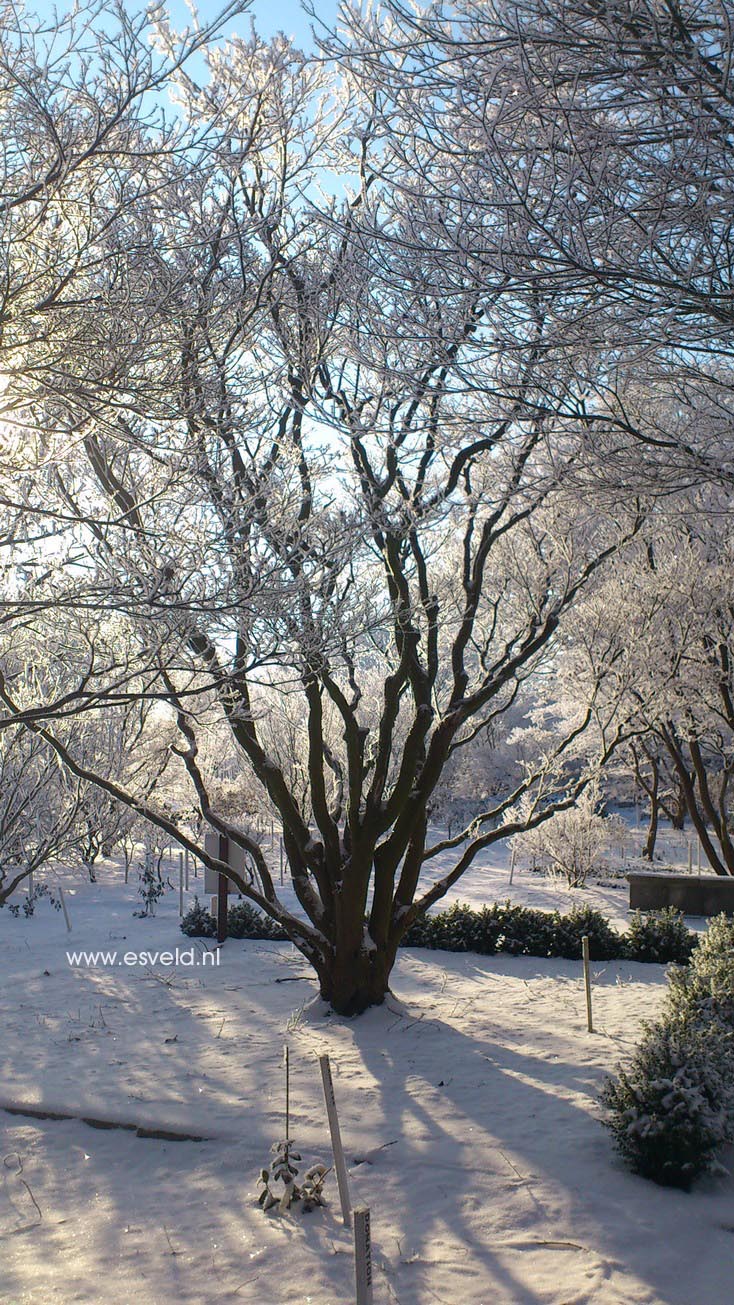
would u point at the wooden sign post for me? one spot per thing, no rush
(222, 882)
(363, 1255)
(587, 982)
(340, 1165)
(62, 899)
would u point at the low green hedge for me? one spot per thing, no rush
(525, 931)
(513, 930)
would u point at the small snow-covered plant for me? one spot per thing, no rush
(279, 1187)
(283, 1170)
(244, 921)
(704, 992)
(29, 903)
(573, 843)
(312, 1187)
(150, 888)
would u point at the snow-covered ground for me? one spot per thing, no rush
(467, 1107)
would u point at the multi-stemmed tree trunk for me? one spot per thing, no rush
(659, 779)
(705, 777)
(348, 452)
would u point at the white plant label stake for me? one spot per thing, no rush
(340, 1166)
(287, 1065)
(363, 1255)
(587, 982)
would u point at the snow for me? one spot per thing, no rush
(467, 1107)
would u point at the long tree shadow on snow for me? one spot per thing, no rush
(504, 1113)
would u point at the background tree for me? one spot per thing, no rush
(669, 612)
(39, 805)
(600, 136)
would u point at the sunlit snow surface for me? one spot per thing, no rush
(469, 1102)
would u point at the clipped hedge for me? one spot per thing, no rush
(513, 930)
(660, 936)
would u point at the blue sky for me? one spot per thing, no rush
(270, 15)
(284, 15)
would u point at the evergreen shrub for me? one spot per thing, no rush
(672, 1108)
(243, 921)
(526, 931)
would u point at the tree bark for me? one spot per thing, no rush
(648, 850)
(356, 978)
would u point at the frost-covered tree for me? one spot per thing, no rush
(668, 613)
(344, 466)
(338, 490)
(574, 843)
(39, 806)
(601, 129)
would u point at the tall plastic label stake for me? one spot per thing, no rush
(340, 1166)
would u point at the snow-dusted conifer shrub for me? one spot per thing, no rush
(704, 992)
(244, 921)
(198, 922)
(665, 1110)
(673, 1106)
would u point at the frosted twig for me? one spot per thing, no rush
(168, 1239)
(18, 1171)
